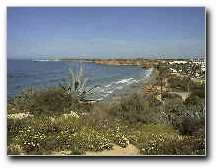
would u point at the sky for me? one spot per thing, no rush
(152, 32)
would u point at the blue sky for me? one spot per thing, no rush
(105, 32)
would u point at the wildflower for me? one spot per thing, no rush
(19, 115)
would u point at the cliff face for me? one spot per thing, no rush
(118, 62)
(146, 63)
(140, 62)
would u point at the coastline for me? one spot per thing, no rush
(135, 88)
(114, 84)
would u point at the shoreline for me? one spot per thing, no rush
(127, 90)
(125, 86)
(134, 88)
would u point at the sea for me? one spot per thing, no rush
(108, 79)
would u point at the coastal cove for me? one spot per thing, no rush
(109, 79)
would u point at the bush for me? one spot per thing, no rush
(136, 109)
(187, 117)
(194, 100)
(167, 95)
(180, 83)
(163, 140)
(21, 103)
(198, 90)
(153, 101)
(14, 126)
(33, 137)
(185, 125)
(52, 101)
(172, 145)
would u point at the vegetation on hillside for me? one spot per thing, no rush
(54, 120)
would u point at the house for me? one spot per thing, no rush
(178, 62)
(200, 61)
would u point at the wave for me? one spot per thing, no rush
(109, 89)
(124, 80)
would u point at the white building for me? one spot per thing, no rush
(200, 61)
(173, 71)
(178, 62)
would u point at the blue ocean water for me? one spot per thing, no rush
(24, 74)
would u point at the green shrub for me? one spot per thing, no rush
(180, 83)
(136, 109)
(21, 103)
(14, 126)
(185, 125)
(171, 96)
(194, 100)
(198, 90)
(153, 101)
(172, 145)
(33, 137)
(52, 101)
(163, 140)
(187, 117)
